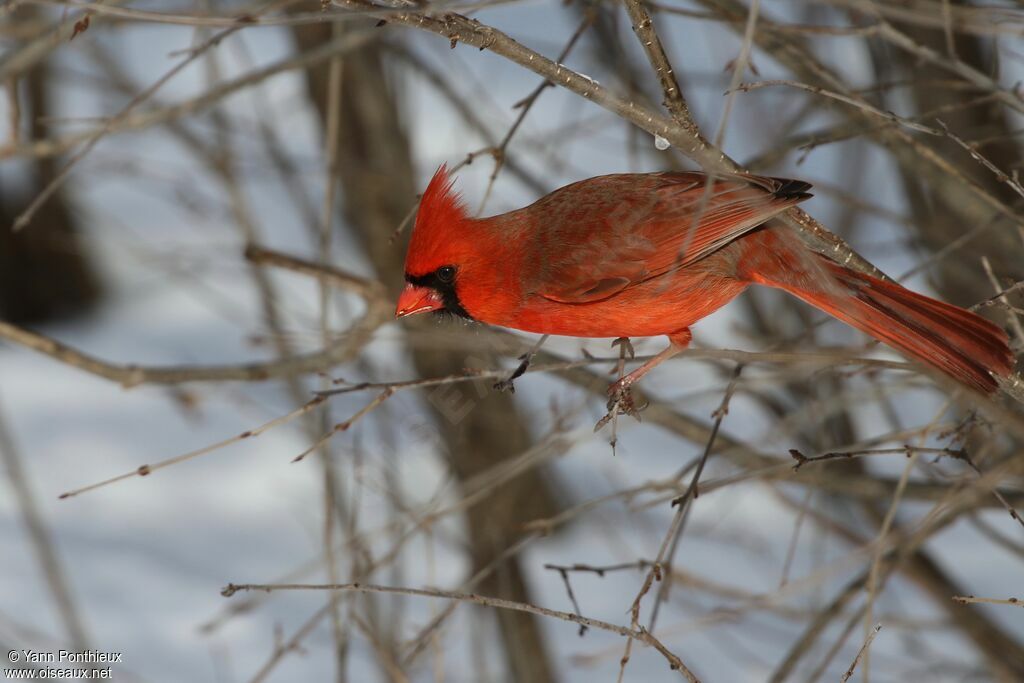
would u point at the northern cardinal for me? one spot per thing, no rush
(636, 255)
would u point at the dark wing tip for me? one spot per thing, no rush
(792, 189)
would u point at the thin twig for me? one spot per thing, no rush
(640, 634)
(971, 599)
(860, 653)
(146, 470)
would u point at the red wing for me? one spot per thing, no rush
(639, 227)
(590, 292)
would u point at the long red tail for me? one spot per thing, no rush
(961, 344)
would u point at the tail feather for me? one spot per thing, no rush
(961, 344)
(931, 333)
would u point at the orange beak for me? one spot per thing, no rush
(415, 299)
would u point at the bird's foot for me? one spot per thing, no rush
(625, 347)
(620, 398)
(620, 401)
(508, 384)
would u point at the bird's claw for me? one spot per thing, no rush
(620, 400)
(508, 384)
(626, 346)
(505, 385)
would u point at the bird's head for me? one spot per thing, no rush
(441, 252)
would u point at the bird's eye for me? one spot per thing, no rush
(446, 274)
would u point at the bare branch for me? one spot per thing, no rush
(643, 636)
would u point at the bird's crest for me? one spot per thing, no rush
(441, 204)
(439, 231)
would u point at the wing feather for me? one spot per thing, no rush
(635, 227)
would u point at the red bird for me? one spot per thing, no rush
(636, 255)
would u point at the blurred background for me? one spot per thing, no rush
(212, 201)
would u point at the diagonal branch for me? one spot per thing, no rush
(459, 29)
(674, 102)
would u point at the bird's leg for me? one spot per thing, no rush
(620, 398)
(619, 394)
(507, 384)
